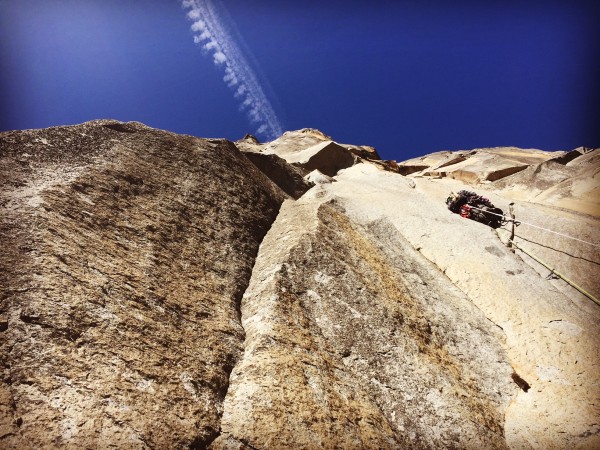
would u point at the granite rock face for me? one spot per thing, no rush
(366, 349)
(551, 330)
(309, 149)
(126, 251)
(165, 291)
(473, 166)
(570, 181)
(565, 179)
(289, 178)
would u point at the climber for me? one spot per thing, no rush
(473, 206)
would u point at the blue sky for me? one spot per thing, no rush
(408, 77)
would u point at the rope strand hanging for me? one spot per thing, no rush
(558, 274)
(465, 202)
(520, 222)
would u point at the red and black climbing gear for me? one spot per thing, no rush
(473, 206)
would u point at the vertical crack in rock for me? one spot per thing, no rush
(225, 438)
(289, 180)
(158, 290)
(338, 353)
(207, 442)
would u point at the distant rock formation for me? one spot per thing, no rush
(486, 164)
(165, 291)
(560, 179)
(570, 181)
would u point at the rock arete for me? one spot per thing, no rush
(165, 291)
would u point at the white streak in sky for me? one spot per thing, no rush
(211, 33)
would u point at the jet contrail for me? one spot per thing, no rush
(210, 31)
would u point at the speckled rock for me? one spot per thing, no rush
(354, 341)
(126, 251)
(551, 330)
(164, 291)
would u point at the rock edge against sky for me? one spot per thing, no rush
(162, 290)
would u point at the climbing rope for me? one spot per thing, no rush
(464, 211)
(519, 222)
(558, 274)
